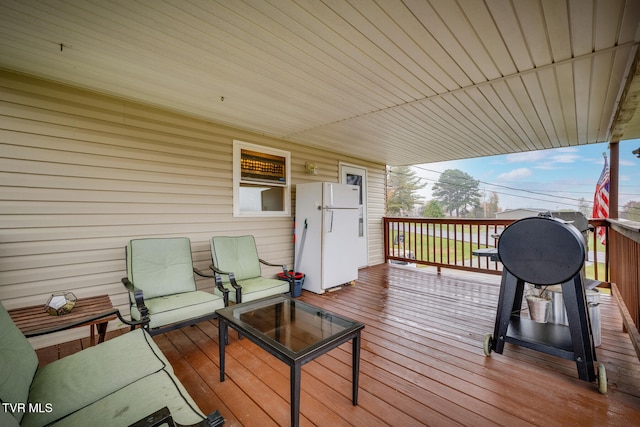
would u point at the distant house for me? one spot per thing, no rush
(519, 213)
(573, 217)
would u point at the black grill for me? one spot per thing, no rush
(545, 251)
(542, 251)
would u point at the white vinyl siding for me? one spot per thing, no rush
(82, 173)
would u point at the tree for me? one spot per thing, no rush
(457, 191)
(402, 187)
(432, 210)
(584, 207)
(631, 211)
(491, 206)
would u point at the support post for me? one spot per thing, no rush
(614, 171)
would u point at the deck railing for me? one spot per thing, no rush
(623, 245)
(442, 242)
(450, 243)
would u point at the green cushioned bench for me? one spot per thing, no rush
(120, 382)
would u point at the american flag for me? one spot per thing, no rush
(601, 199)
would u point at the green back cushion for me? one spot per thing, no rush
(18, 363)
(237, 255)
(161, 266)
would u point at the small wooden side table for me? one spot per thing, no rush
(35, 318)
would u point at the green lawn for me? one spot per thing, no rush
(589, 271)
(435, 249)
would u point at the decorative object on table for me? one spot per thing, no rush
(60, 303)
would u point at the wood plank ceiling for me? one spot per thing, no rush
(398, 82)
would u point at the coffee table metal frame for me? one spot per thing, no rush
(295, 359)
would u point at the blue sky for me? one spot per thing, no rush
(547, 179)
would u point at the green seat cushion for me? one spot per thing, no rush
(76, 381)
(18, 364)
(8, 420)
(161, 266)
(137, 400)
(258, 287)
(238, 255)
(179, 307)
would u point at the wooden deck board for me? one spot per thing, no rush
(422, 363)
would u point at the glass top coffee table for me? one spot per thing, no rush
(294, 332)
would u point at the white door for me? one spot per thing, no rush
(357, 175)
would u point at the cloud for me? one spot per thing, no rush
(565, 158)
(515, 175)
(526, 157)
(546, 159)
(547, 166)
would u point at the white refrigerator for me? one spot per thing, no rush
(326, 234)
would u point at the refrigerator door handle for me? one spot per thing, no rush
(330, 194)
(330, 222)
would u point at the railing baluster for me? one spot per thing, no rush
(418, 240)
(431, 231)
(455, 244)
(440, 242)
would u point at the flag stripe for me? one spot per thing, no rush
(601, 199)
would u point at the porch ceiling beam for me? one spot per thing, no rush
(628, 104)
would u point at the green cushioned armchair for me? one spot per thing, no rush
(162, 286)
(236, 265)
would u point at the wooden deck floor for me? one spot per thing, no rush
(422, 363)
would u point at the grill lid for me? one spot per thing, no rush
(542, 250)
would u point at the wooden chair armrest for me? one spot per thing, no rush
(137, 295)
(143, 322)
(163, 417)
